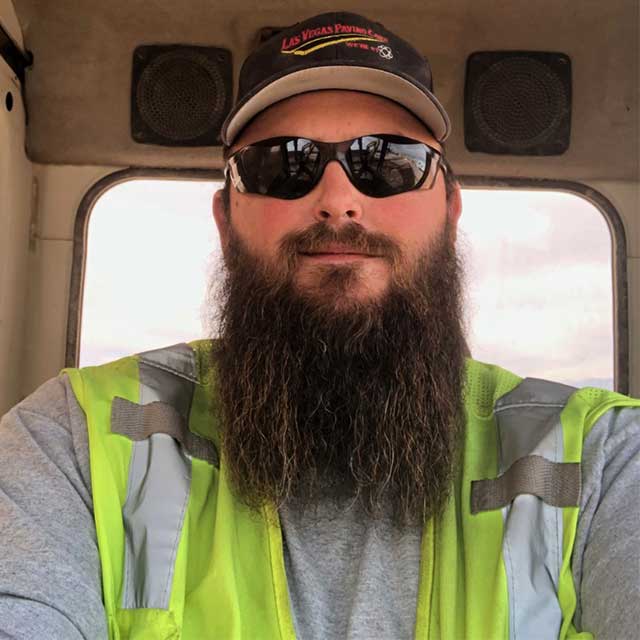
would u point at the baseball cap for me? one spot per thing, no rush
(336, 50)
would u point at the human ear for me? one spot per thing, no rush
(222, 219)
(454, 210)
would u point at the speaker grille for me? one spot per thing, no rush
(180, 94)
(518, 103)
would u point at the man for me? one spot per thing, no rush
(333, 466)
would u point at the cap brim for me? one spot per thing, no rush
(421, 102)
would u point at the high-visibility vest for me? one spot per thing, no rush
(182, 558)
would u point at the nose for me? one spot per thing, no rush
(337, 201)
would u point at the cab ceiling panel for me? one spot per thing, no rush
(78, 90)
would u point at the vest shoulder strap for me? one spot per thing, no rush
(537, 478)
(167, 378)
(160, 470)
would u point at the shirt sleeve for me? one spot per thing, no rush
(606, 557)
(50, 584)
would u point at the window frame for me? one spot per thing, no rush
(620, 286)
(81, 231)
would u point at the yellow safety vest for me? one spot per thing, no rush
(182, 558)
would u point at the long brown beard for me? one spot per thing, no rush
(319, 400)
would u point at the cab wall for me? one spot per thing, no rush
(15, 254)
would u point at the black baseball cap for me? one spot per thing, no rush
(336, 50)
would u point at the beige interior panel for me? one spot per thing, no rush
(49, 269)
(625, 197)
(15, 209)
(79, 87)
(60, 191)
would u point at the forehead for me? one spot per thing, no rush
(330, 116)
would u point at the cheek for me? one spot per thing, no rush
(263, 222)
(412, 221)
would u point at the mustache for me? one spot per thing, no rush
(350, 236)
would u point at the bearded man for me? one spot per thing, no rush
(333, 465)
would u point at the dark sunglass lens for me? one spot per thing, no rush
(280, 168)
(385, 166)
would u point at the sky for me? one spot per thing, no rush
(538, 275)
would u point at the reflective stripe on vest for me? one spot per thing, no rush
(528, 420)
(159, 474)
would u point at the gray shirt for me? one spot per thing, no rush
(347, 577)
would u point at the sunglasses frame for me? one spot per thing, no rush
(330, 151)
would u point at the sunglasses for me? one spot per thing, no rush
(378, 165)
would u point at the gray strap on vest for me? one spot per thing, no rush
(139, 422)
(159, 472)
(557, 483)
(532, 476)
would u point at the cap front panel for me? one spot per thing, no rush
(332, 38)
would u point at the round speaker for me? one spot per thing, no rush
(518, 103)
(180, 94)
